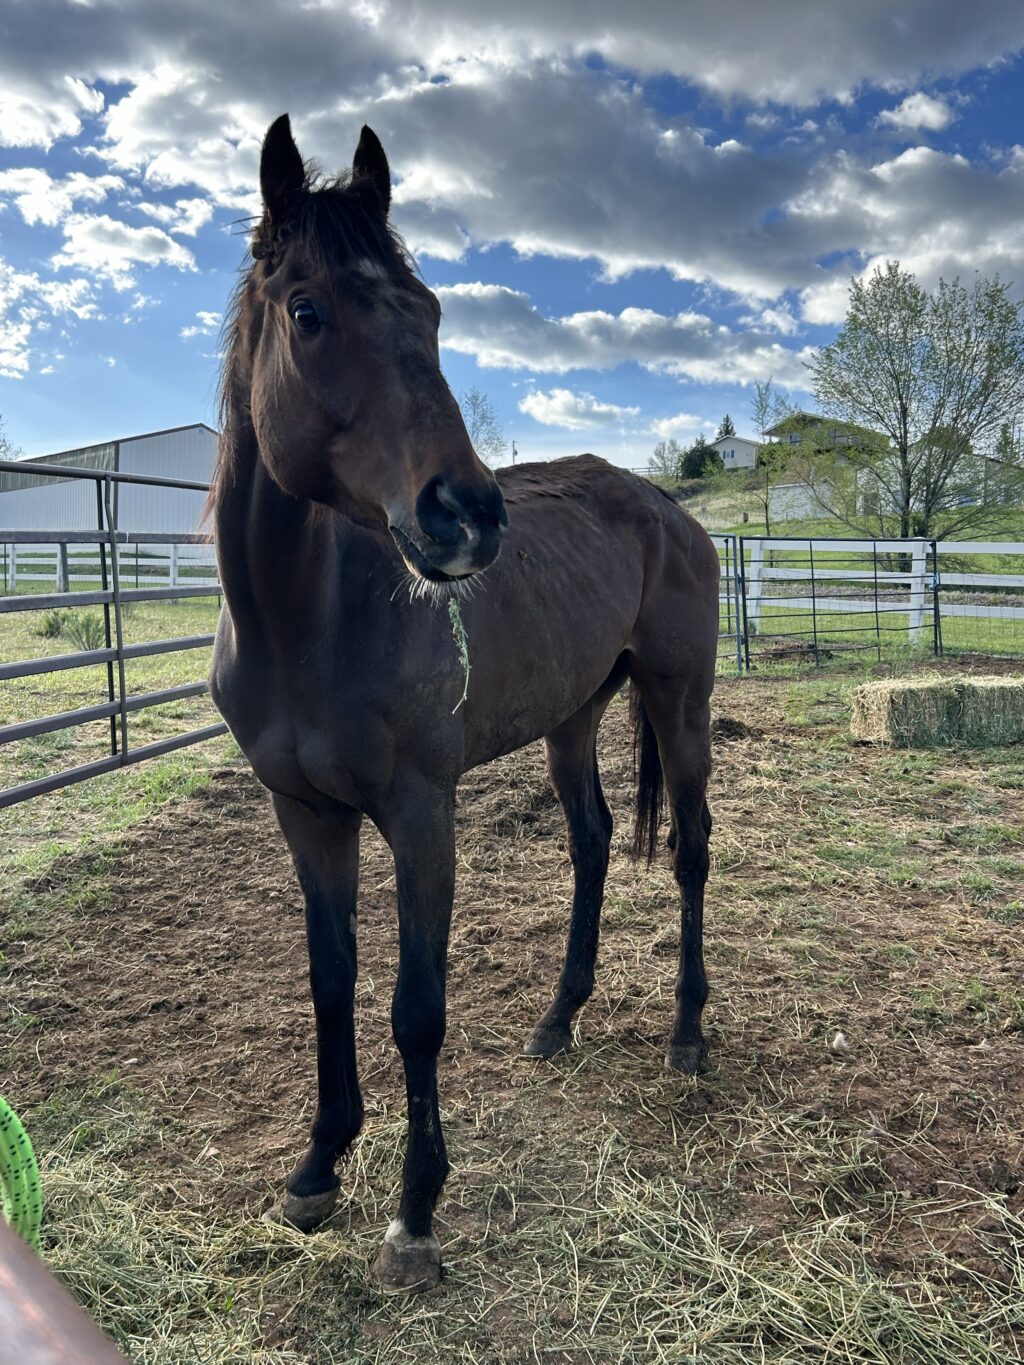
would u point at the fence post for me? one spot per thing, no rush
(936, 581)
(737, 575)
(14, 568)
(915, 619)
(754, 582)
(174, 566)
(63, 576)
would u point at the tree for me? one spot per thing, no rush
(940, 378)
(481, 419)
(666, 462)
(8, 450)
(768, 407)
(726, 427)
(700, 460)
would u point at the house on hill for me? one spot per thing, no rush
(826, 432)
(737, 452)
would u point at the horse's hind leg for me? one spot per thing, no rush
(572, 764)
(679, 718)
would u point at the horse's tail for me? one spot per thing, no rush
(650, 787)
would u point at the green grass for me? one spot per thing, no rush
(44, 694)
(38, 831)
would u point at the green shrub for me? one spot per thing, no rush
(85, 629)
(51, 627)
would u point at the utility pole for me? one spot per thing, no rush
(513, 451)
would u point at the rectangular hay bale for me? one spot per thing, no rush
(933, 711)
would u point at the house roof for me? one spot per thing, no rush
(723, 440)
(800, 420)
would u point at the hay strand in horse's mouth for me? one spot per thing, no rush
(462, 644)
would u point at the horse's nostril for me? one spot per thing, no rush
(445, 511)
(438, 513)
(449, 501)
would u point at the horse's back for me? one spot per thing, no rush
(584, 492)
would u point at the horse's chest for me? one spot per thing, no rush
(303, 741)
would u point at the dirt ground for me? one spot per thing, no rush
(855, 891)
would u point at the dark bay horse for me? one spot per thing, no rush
(347, 496)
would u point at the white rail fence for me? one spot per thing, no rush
(66, 566)
(857, 593)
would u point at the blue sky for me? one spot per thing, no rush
(629, 212)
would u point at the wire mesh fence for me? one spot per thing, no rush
(820, 599)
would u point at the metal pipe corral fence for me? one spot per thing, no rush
(104, 571)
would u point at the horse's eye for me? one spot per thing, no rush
(305, 316)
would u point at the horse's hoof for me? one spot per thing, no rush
(548, 1042)
(689, 1058)
(407, 1265)
(305, 1211)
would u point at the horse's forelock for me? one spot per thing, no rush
(335, 221)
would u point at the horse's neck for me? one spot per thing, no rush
(278, 558)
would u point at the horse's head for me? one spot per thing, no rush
(338, 351)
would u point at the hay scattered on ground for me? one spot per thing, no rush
(931, 712)
(798, 1205)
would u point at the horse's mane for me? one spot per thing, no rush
(334, 219)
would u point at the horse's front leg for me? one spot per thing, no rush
(422, 837)
(325, 849)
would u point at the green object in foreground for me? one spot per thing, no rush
(19, 1178)
(462, 641)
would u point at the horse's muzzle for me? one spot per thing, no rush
(456, 533)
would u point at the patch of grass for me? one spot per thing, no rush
(51, 624)
(579, 1261)
(85, 629)
(44, 694)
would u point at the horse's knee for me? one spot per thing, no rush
(418, 1018)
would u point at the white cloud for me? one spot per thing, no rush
(575, 411)
(918, 111)
(185, 217)
(774, 320)
(68, 296)
(524, 141)
(41, 199)
(501, 328)
(933, 211)
(822, 304)
(109, 249)
(682, 424)
(206, 326)
(35, 110)
(25, 301)
(14, 348)
(222, 71)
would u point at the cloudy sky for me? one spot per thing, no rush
(629, 212)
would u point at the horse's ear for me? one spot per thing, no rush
(370, 163)
(281, 170)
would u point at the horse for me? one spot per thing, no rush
(350, 510)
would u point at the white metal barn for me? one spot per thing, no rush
(32, 503)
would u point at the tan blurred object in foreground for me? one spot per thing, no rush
(40, 1323)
